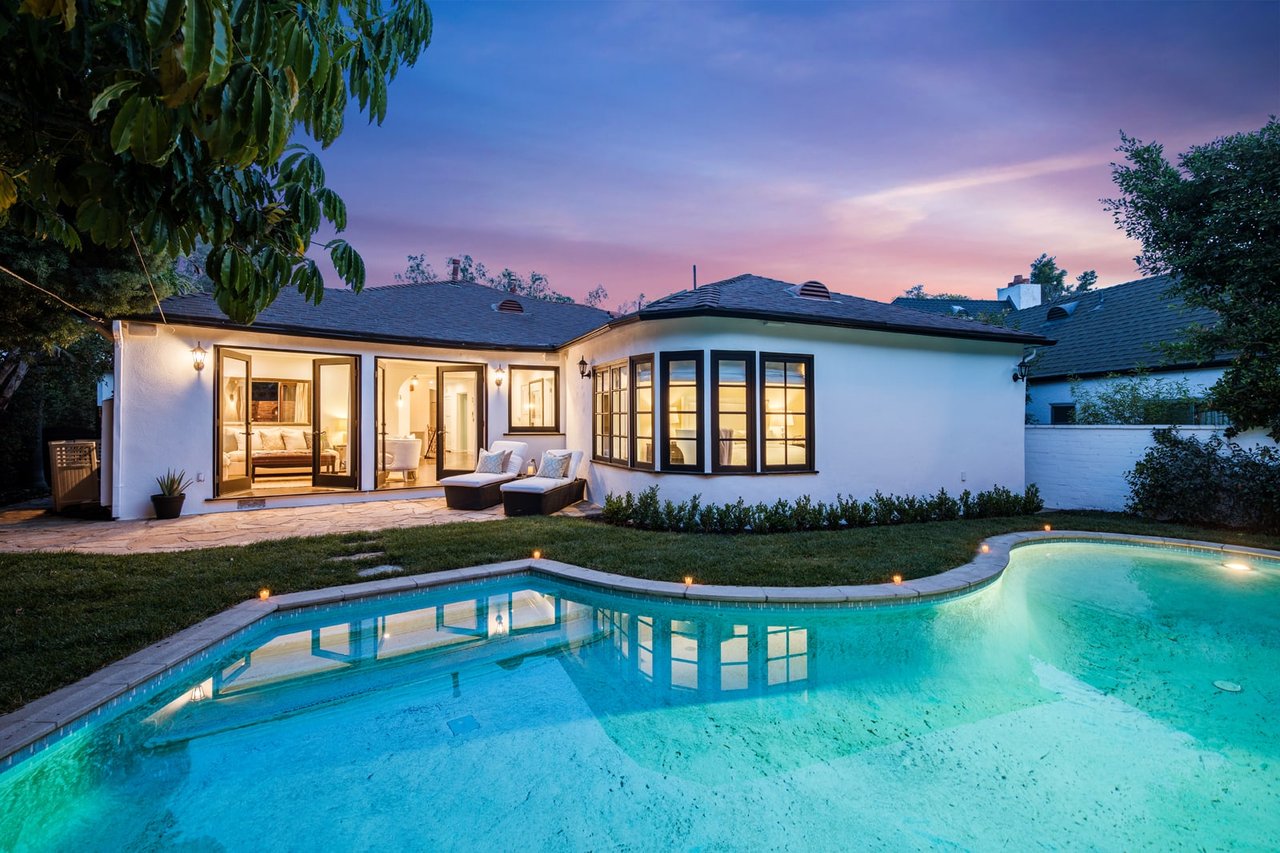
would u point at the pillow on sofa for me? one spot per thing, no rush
(230, 439)
(555, 465)
(306, 438)
(492, 462)
(271, 439)
(293, 439)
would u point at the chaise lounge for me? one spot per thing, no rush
(544, 495)
(480, 491)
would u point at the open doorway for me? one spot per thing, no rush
(430, 420)
(286, 423)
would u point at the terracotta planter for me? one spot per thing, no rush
(168, 506)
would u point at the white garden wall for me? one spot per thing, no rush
(1084, 467)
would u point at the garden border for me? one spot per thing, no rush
(69, 708)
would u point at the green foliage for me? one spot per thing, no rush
(1137, 399)
(648, 511)
(917, 291)
(1053, 280)
(168, 122)
(173, 483)
(535, 285)
(1213, 482)
(1213, 222)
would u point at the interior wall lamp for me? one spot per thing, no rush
(584, 369)
(197, 357)
(498, 375)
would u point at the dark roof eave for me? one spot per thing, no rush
(294, 331)
(1026, 338)
(1121, 371)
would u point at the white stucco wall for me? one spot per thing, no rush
(1042, 395)
(898, 413)
(1084, 467)
(164, 410)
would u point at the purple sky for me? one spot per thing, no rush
(869, 146)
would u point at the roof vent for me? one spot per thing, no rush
(509, 306)
(1062, 312)
(959, 311)
(811, 290)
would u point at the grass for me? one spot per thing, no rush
(63, 616)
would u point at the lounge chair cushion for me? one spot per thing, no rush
(519, 453)
(476, 480)
(535, 485)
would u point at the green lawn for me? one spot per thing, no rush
(62, 616)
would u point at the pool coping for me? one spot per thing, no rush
(49, 715)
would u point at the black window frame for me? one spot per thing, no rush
(609, 369)
(811, 453)
(698, 357)
(748, 358)
(633, 363)
(511, 375)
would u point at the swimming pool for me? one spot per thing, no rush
(1086, 699)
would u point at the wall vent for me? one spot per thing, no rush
(812, 290)
(509, 306)
(141, 330)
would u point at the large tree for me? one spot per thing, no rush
(535, 285)
(164, 122)
(1053, 279)
(1213, 222)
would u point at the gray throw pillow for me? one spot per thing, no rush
(492, 462)
(554, 465)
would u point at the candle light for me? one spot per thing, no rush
(688, 580)
(986, 549)
(264, 593)
(897, 579)
(537, 555)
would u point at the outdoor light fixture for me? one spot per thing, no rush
(264, 593)
(688, 580)
(1048, 527)
(537, 555)
(498, 375)
(897, 579)
(584, 369)
(986, 549)
(197, 357)
(1022, 370)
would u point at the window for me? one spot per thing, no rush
(642, 442)
(1062, 413)
(534, 400)
(609, 385)
(733, 380)
(682, 438)
(787, 659)
(786, 412)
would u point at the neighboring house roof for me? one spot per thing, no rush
(1110, 330)
(957, 307)
(447, 313)
(756, 297)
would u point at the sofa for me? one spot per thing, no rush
(278, 450)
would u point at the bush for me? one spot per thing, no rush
(649, 512)
(1210, 483)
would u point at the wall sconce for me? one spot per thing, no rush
(413, 383)
(498, 375)
(197, 357)
(584, 369)
(1021, 372)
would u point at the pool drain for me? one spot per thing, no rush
(1228, 686)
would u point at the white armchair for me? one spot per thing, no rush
(402, 455)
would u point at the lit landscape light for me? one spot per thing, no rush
(1237, 566)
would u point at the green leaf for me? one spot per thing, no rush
(122, 127)
(162, 18)
(109, 94)
(220, 45)
(197, 37)
(8, 191)
(348, 263)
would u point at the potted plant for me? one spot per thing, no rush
(173, 491)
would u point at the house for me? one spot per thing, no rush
(1114, 330)
(1016, 295)
(749, 387)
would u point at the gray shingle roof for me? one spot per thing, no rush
(956, 307)
(757, 297)
(457, 314)
(1110, 330)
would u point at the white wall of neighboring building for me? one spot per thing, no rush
(1084, 467)
(164, 410)
(899, 413)
(1043, 395)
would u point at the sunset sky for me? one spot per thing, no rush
(869, 146)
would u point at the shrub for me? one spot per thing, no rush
(649, 512)
(1212, 482)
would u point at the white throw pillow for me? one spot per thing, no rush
(555, 465)
(293, 439)
(271, 439)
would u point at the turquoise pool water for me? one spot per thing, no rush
(1071, 704)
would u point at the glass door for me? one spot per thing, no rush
(233, 437)
(460, 419)
(380, 428)
(335, 425)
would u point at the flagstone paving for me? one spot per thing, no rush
(37, 529)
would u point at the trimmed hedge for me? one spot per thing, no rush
(648, 511)
(1212, 483)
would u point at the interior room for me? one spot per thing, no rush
(428, 421)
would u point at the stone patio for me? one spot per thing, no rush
(35, 528)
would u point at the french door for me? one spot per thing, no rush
(335, 423)
(235, 382)
(459, 418)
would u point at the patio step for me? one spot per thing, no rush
(353, 558)
(385, 569)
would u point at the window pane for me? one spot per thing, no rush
(733, 426)
(796, 452)
(732, 371)
(737, 453)
(775, 453)
(644, 425)
(644, 450)
(683, 371)
(683, 398)
(796, 426)
(775, 400)
(644, 373)
(533, 398)
(733, 398)
(795, 372)
(644, 399)
(795, 400)
(684, 452)
(773, 373)
(775, 426)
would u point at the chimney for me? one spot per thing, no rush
(457, 264)
(1022, 293)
